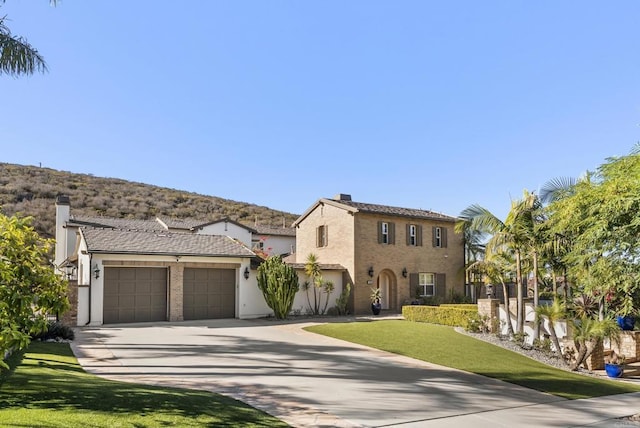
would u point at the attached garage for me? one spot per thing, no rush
(134, 294)
(209, 293)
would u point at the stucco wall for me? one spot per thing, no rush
(276, 244)
(227, 229)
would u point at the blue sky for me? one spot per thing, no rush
(421, 104)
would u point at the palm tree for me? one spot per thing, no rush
(313, 271)
(508, 236)
(496, 267)
(17, 56)
(474, 248)
(554, 313)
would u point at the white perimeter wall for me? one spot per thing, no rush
(561, 326)
(252, 304)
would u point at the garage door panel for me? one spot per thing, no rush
(209, 293)
(135, 295)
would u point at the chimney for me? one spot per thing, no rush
(63, 206)
(342, 197)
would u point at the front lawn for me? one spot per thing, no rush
(442, 345)
(50, 389)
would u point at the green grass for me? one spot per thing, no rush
(442, 345)
(50, 389)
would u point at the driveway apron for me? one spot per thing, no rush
(303, 378)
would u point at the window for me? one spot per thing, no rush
(412, 234)
(385, 232)
(427, 283)
(440, 237)
(321, 236)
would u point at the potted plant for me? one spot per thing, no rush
(375, 301)
(614, 365)
(626, 322)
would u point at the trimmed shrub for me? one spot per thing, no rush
(460, 305)
(444, 315)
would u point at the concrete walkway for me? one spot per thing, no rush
(309, 380)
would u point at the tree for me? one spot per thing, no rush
(510, 235)
(497, 267)
(29, 287)
(554, 313)
(600, 216)
(279, 285)
(17, 56)
(318, 285)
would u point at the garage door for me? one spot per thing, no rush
(135, 295)
(209, 293)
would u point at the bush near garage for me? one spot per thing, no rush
(55, 331)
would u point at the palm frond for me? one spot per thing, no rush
(17, 56)
(556, 187)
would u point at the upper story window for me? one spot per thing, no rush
(386, 233)
(440, 237)
(322, 236)
(414, 235)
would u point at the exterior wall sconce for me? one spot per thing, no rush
(96, 271)
(404, 272)
(69, 269)
(246, 273)
(371, 272)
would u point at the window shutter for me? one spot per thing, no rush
(379, 232)
(413, 284)
(408, 229)
(318, 233)
(441, 284)
(419, 236)
(443, 237)
(433, 236)
(392, 233)
(326, 235)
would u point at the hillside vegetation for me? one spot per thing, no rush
(32, 190)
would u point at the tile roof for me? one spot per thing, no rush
(323, 266)
(291, 261)
(115, 223)
(396, 211)
(277, 231)
(112, 241)
(181, 223)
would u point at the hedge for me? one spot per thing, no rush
(451, 315)
(460, 305)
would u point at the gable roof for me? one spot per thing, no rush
(275, 231)
(355, 207)
(113, 241)
(180, 223)
(115, 223)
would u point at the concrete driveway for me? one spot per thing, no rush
(300, 377)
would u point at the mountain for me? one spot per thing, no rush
(32, 190)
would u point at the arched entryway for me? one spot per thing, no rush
(388, 289)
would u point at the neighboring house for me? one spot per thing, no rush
(124, 270)
(274, 240)
(405, 252)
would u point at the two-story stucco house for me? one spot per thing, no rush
(404, 252)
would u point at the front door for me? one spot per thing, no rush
(384, 283)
